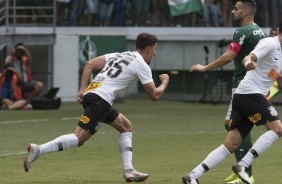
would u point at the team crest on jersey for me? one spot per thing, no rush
(273, 74)
(255, 118)
(272, 111)
(84, 119)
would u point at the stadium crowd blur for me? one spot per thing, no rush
(137, 13)
(152, 13)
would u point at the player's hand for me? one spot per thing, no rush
(197, 67)
(164, 78)
(79, 97)
(250, 65)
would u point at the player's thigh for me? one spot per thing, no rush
(241, 123)
(95, 112)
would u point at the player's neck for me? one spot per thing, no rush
(246, 22)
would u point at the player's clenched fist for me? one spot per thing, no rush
(164, 78)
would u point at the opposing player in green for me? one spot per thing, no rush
(244, 40)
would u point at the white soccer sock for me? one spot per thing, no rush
(125, 149)
(59, 144)
(261, 145)
(212, 160)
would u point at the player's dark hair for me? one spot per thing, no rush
(144, 40)
(251, 3)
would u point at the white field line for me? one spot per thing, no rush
(8, 153)
(63, 119)
(12, 153)
(24, 121)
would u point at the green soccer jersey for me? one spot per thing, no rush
(247, 37)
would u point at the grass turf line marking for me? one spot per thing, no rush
(23, 121)
(63, 119)
(11, 154)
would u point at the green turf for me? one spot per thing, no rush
(169, 139)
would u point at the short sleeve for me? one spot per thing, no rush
(239, 37)
(263, 47)
(144, 73)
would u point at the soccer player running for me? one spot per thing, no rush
(249, 108)
(117, 71)
(244, 40)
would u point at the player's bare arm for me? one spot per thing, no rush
(95, 64)
(155, 93)
(222, 60)
(250, 61)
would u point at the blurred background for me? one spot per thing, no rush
(62, 35)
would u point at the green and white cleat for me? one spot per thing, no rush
(232, 177)
(237, 180)
(240, 171)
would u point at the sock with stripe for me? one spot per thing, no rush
(59, 144)
(262, 144)
(213, 159)
(125, 149)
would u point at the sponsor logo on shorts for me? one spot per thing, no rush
(255, 118)
(272, 111)
(84, 119)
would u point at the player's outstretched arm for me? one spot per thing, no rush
(222, 60)
(155, 93)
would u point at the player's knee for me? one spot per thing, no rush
(231, 147)
(231, 143)
(279, 132)
(82, 136)
(80, 143)
(276, 127)
(122, 124)
(128, 128)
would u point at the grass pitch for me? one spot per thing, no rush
(169, 139)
